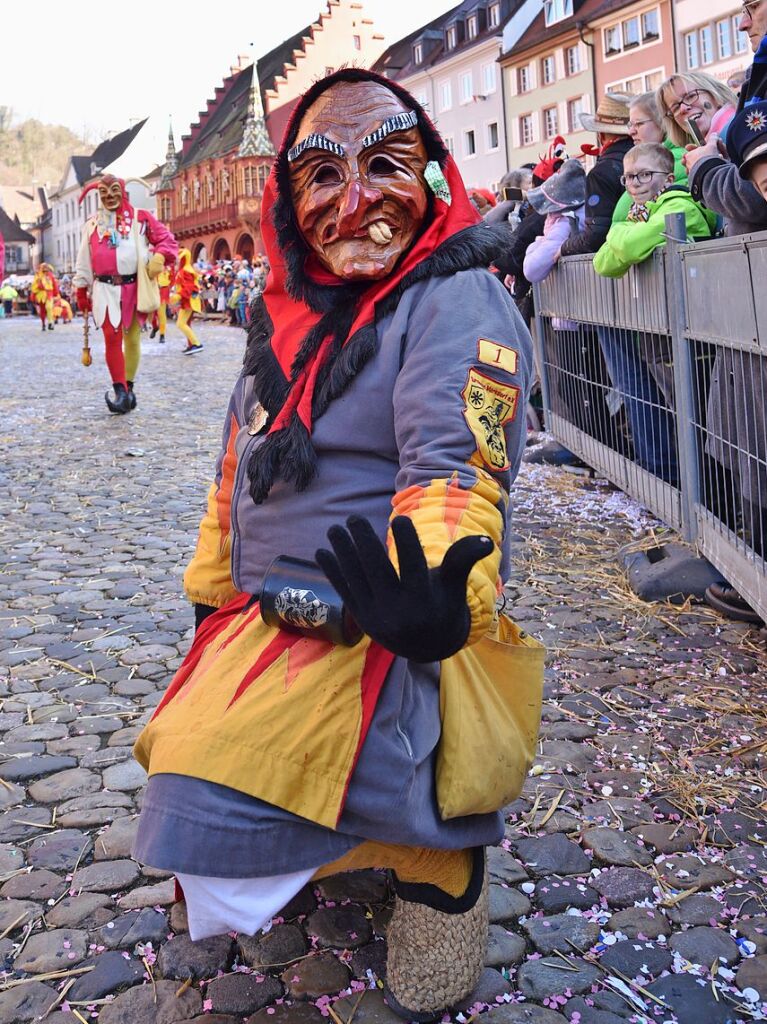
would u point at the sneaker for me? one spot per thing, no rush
(50, 327)
(154, 332)
(162, 339)
(190, 349)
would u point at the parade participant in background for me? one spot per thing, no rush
(113, 251)
(385, 380)
(42, 292)
(61, 309)
(187, 285)
(160, 317)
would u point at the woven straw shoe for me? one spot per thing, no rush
(435, 957)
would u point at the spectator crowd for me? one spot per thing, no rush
(694, 147)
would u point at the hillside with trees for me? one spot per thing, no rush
(31, 150)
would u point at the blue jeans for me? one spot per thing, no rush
(653, 427)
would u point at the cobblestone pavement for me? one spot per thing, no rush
(631, 882)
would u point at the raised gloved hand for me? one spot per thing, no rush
(83, 302)
(422, 614)
(155, 265)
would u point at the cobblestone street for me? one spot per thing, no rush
(632, 882)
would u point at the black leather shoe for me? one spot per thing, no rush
(131, 395)
(154, 332)
(121, 403)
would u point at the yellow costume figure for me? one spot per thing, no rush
(44, 289)
(187, 284)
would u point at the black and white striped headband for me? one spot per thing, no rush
(397, 123)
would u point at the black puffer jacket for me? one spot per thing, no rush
(603, 190)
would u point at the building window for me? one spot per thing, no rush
(574, 111)
(164, 208)
(357, 42)
(741, 39)
(691, 50)
(526, 129)
(573, 60)
(492, 135)
(58, 247)
(451, 36)
(445, 95)
(724, 38)
(630, 33)
(557, 10)
(612, 37)
(706, 45)
(523, 79)
(494, 16)
(263, 176)
(418, 53)
(249, 182)
(650, 26)
(469, 143)
(653, 80)
(472, 26)
(548, 70)
(449, 144)
(488, 79)
(551, 122)
(467, 87)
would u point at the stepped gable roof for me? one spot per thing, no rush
(223, 128)
(11, 230)
(584, 11)
(87, 167)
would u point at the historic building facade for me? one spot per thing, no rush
(451, 67)
(210, 191)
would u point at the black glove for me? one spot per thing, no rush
(422, 614)
(201, 612)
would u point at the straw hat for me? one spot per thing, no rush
(612, 115)
(562, 192)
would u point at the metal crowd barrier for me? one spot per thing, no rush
(658, 381)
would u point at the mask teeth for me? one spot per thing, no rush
(437, 182)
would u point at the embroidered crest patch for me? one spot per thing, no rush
(489, 405)
(495, 354)
(756, 121)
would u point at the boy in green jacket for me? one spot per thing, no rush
(649, 179)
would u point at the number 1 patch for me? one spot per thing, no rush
(493, 354)
(489, 405)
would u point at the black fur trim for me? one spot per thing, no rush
(436, 898)
(476, 246)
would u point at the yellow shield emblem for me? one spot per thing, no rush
(488, 406)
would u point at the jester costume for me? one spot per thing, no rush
(187, 286)
(160, 317)
(43, 291)
(384, 383)
(113, 243)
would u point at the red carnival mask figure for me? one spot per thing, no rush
(356, 175)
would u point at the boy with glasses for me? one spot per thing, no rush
(648, 177)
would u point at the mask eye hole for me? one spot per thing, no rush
(381, 165)
(327, 174)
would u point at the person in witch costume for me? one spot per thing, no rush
(384, 385)
(113, 242)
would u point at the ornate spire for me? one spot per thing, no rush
(255, 138)
(170, 166)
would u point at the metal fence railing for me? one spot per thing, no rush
(659, 381)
